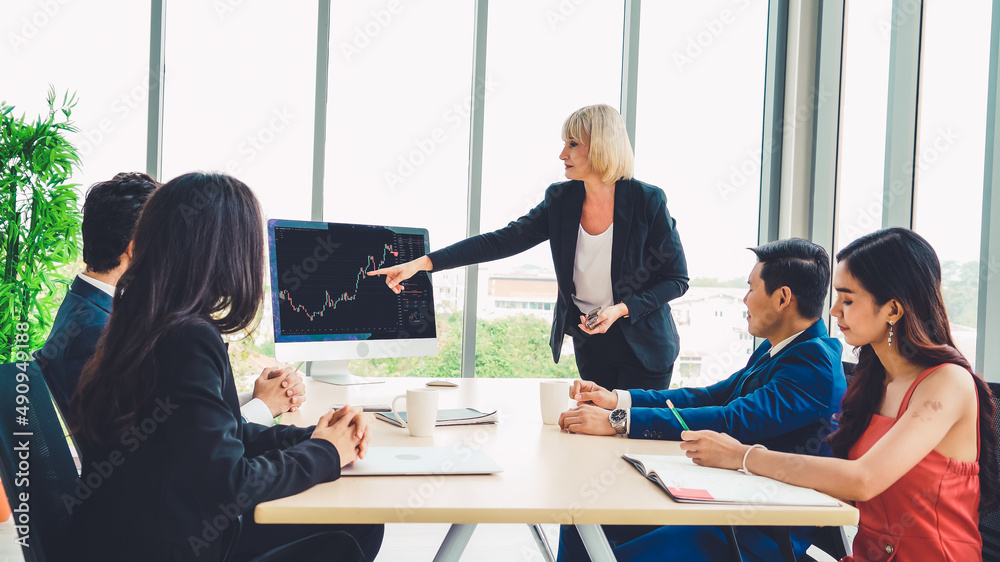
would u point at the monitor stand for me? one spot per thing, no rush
(335, 372)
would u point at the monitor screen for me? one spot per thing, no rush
(327, 307)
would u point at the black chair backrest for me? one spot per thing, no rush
(33, 444)
(849, 371)
(989, 523)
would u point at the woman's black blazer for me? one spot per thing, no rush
(648, 268)
(170, 487)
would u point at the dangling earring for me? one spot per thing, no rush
(890, 333)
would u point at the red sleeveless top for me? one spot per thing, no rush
(931, 514)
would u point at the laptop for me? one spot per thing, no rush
(418, 461)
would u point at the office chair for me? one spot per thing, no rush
(849, 370)
(989, 523)
(46, 454)
(833, 540)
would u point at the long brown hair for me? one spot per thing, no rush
(898, 264)
(198, 256)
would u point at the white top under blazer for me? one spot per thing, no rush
(592, 270)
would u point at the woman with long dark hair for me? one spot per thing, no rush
(168, 463)
(916, 419)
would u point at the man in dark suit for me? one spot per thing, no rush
(784, 398)
(110, 212)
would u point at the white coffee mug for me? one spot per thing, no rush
(421, 410)
(554, 396)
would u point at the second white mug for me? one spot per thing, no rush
(554, 396)
(421, 411)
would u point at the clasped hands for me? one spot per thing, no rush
(281, 389)
(347, 429)
(590, 416)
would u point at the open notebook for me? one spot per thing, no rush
(685, 481)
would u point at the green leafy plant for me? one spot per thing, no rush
(39, 221)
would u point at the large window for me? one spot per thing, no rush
(62, 45)
(698, 137)
(65, 44)
(543, 62)
(865, 91)
(398, 140)
(238, 98)
(950, 150)
(864, 95)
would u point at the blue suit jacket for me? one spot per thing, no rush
(648, 268)
(71, 343)
(783, 402)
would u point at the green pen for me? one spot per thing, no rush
(678, 415)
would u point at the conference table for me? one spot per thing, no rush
(549, 476)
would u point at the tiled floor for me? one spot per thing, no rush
(415, 542)
(419, 542)
(9, 550)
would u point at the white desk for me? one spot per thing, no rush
(549, 476)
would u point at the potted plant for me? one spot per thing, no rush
(39, 222)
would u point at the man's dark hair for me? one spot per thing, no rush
(199, 258)
(801, 266)
(109, 216)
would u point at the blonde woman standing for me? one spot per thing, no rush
(614, 246)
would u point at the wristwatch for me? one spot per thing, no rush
(617, 418)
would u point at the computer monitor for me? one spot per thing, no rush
(327, 310)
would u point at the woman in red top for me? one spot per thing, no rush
(916, 419)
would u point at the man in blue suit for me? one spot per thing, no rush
(110, 212)
(784, 399)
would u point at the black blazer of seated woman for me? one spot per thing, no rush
(168, 462)
(648, 270)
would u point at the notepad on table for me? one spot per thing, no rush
(688, 482)
(463, 416)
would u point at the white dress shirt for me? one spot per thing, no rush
(109, 289)
(255, 410)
